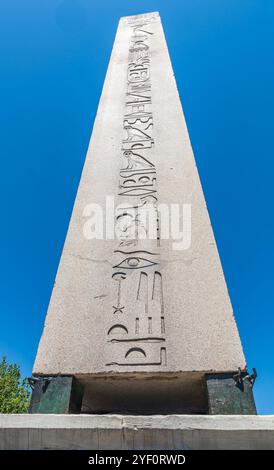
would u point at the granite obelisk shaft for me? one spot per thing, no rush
(134, 307)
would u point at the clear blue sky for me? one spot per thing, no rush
(53, 59)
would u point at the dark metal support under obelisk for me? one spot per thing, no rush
(60, 395)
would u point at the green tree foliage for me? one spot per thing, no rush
(14, 392)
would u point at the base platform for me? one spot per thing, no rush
(101, 432)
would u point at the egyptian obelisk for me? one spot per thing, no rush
(135, 324)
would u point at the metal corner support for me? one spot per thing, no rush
(58, 394)
(228, 395)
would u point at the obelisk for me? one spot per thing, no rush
(136, 323)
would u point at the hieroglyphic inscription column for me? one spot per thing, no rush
(136, 334)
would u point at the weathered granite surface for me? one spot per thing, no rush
(169, 311)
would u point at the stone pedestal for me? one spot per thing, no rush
(108, 432)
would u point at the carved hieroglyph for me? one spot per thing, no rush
(133, 304)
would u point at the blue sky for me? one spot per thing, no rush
(53, 59)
